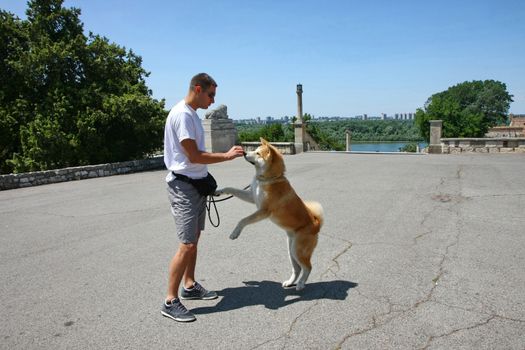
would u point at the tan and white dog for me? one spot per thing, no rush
(276, 200)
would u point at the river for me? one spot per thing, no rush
(381, 146)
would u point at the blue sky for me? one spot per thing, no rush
(352, 57)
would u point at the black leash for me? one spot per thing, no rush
(211, 201)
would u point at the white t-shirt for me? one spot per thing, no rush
(183, 123)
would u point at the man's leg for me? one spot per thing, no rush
(185, 205)
(189, 272)
(192, 289)
(184, 257)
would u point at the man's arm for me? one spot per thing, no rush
(200, 157)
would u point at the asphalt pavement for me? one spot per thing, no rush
(417, 252)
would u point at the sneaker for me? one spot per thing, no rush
(197, 292)
(176, 311)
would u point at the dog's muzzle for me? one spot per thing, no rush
(249, 161)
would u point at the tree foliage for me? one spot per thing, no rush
(270, 132)
(468, 109)
(69, 99)
(409, 147)
(371, 130)
(326, 140)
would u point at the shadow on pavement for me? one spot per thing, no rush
(273, 296)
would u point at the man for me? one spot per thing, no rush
(185, 157)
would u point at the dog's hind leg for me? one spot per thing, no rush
(296, 268)
(306, 268)
(304, 249)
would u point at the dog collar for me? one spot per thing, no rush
(271, 179)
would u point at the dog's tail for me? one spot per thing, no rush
(317, 210)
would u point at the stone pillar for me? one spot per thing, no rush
(435, 137)
(220, 133)
(348, 133)
(298, 125)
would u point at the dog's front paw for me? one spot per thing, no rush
(220, 191)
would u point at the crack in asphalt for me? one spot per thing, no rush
(491, 313)
(455, 200)
(422, 224)
(498, 195)
(479, 324)
(334, 265)
(454, 210)
(374, 321)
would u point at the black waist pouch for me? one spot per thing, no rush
(205, 186)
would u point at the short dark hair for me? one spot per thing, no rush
(203, 80)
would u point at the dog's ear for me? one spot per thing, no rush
(263, 141)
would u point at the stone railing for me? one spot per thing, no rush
(483, 145)
(11, 181)
(283, 147)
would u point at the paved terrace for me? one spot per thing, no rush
(417, 252)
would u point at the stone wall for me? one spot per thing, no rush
(483, 145)
(12, 181)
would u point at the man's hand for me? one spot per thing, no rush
(200, 157)
(234, 152)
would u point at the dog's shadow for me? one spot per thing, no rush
(273, 296)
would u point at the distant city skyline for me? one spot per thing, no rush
(288, 119)
(351, 57)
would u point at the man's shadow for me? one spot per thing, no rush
(273, 296)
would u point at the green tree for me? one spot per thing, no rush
(69, 99)
(14, 38)
(409, 147)
(271, 132)
(468, 109)
(325, 140)
(307, 117)
(370, 130)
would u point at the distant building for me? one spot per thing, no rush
(515, 129)
(404, 116)
(517, 120)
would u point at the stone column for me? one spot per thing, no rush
(434, 146)
(348, 133)
(298, 125)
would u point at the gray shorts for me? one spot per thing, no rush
(189, 210)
